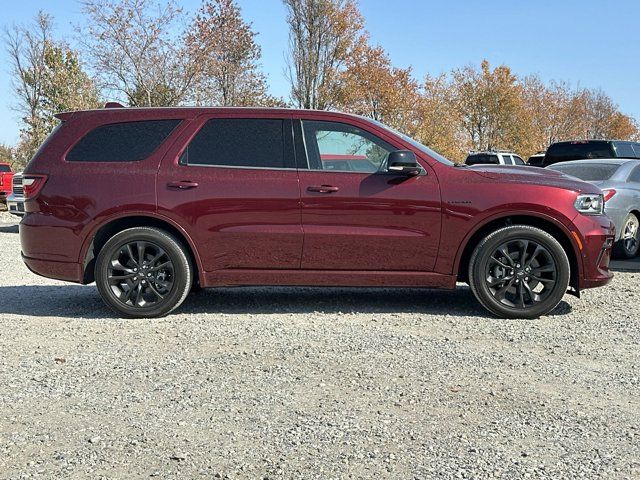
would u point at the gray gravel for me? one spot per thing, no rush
(315, 383)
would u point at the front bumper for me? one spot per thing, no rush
(15, 205)
(595, 236)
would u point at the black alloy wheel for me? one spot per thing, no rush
(143, 272)
(519, 271)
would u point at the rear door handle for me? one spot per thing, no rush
(322, 189)
(183, 185)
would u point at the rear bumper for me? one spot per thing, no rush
(596, 235)
(69, 272)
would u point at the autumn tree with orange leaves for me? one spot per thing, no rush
(229, 58)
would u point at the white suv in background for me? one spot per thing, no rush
(495, 157)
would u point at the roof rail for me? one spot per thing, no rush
(113, 105)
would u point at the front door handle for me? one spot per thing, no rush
(322, 189)
(183, 185)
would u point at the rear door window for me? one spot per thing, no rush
(122, 142)
(241, 143)
(507, 159)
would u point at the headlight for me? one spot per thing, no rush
(590, 204)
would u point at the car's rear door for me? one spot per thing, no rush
(355, 217)
(231, 181)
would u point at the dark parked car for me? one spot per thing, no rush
(491, 157)
(619, 180)
(149, 202)
(590, 149)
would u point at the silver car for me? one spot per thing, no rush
(619, 180)
(15, 201)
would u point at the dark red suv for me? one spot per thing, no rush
(151, 202)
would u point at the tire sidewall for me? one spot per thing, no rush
(181, 264)
(622, 251)
(487, 248)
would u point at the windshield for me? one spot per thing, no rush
(592, 172)
(423, 148)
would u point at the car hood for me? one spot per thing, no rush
(534, 176)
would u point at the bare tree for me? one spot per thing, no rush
(322, 34)
(47, 79)
(135, 50)
(26, 47)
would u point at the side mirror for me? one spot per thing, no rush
(403, 162)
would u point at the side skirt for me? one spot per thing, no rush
(328, 278)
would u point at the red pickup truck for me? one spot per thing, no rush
(6, 176)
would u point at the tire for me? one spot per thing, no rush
(497, 275)
(628, 247)
(148, 288)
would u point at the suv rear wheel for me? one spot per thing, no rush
(519, 272)
(143, 272)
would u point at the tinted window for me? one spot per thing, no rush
(237, 142)
(636, 149)
(482, 159)
(5, 168)
(345, 148)
(507, 159)
(591, 172)
(624, 149)
(562, 152)
(518, 161)
(122, 142)
(536, 161)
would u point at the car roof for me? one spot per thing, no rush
(204, 110)
(609, 161)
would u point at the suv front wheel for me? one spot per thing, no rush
(519, 272)
(143, 272)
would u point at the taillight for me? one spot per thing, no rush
(608, 194)
(32, 184)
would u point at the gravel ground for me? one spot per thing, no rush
(315, 383)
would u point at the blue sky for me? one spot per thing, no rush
(591, 43)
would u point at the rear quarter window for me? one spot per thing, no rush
(122, 142)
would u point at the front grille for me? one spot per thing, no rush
(17, 185)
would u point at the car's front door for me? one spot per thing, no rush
(231, 182)
(356, 216)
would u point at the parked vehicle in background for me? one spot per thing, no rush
(493, 158)
(228, 196)
(15, 201)
(619, 180)
(6, 174)
(590, 149)
(536, 160)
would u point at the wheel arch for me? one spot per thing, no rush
(547, 224)
(102, 233)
